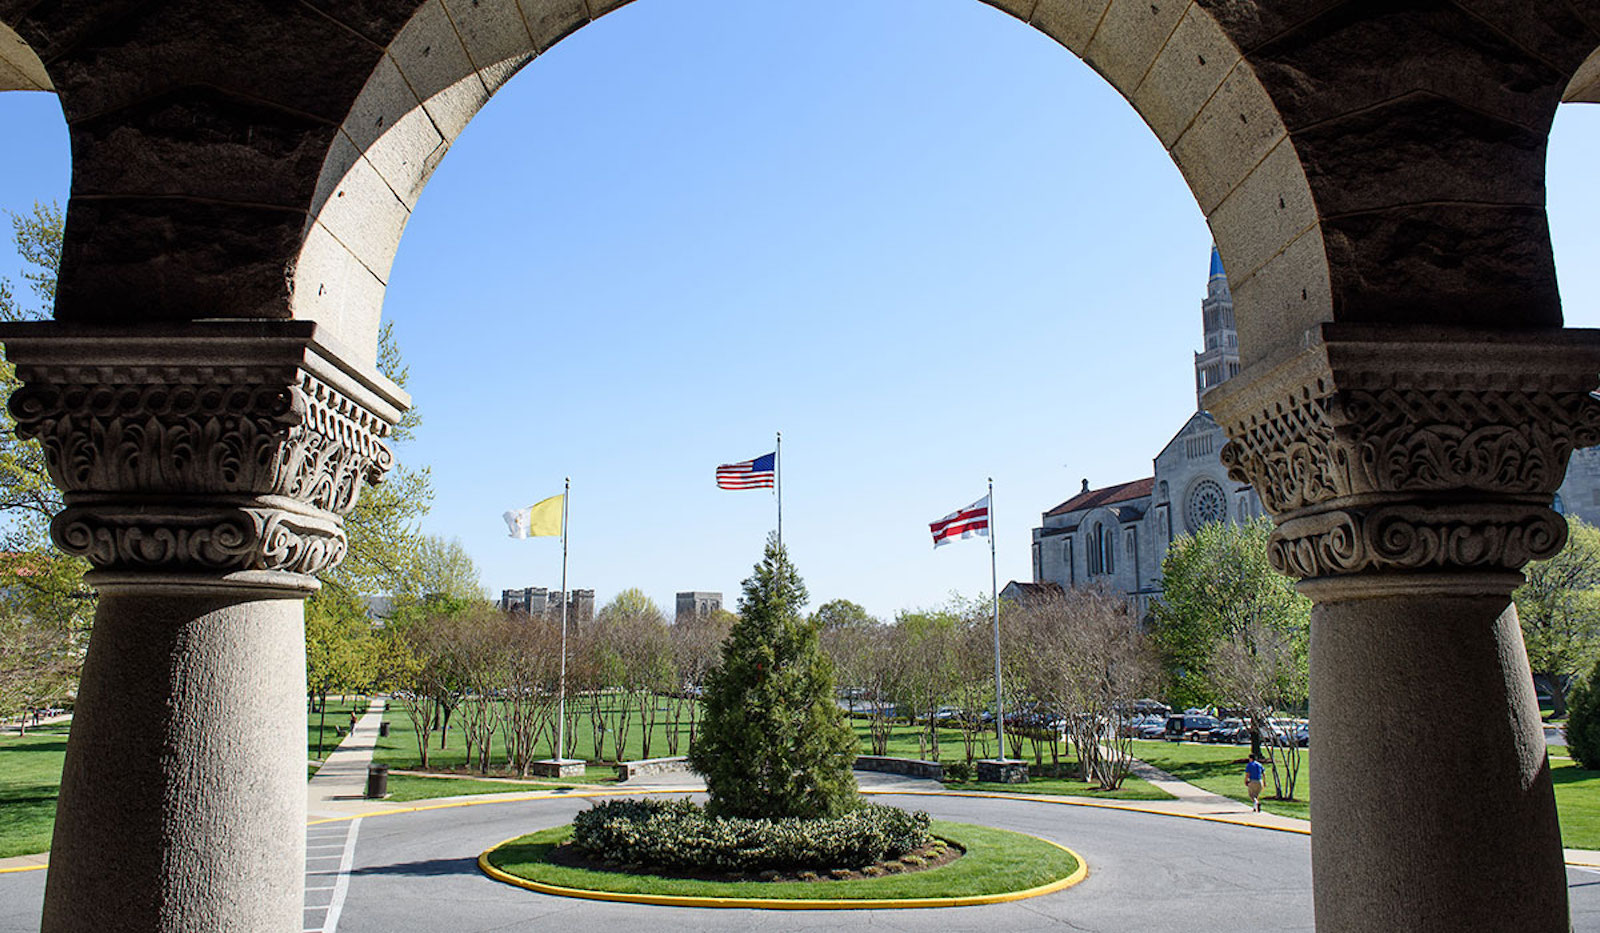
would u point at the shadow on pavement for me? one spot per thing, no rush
(432, 868)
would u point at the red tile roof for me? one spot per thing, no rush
(1137, 489)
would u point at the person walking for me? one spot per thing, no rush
(1253, 772)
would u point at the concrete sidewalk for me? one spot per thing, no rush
(339, 787)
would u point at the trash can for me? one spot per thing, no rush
(377, 781)
(383, 728)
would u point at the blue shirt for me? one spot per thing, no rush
(1253, 771)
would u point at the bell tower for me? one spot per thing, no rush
(1219, 361)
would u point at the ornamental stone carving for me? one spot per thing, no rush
(202, 449)
(1383, 450)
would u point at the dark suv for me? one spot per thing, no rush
(1191, 727)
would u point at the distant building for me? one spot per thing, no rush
(1022, 593)
(1117, 536)
(697, 605)
(537, 600)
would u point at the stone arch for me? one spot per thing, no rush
(1172, 61)
(1356, 164)
(20, 67)
(1584, 88)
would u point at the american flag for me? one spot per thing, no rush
(749, 474)
(962, 523)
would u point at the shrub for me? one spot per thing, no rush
(958, 771)
(679, 835)
(1583, 722)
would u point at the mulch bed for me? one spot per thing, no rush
(566, 854)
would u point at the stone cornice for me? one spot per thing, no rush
(202, 450)
(1412, 450)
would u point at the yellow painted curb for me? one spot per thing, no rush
(7, 871)
(778, 903)
(502, 798)
(1096, 804)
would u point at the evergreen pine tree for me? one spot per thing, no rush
(1583, 722)
(774, 742)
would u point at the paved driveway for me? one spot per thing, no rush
(417, 872)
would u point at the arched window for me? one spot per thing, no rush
(1102, 550)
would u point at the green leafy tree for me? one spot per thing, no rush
(774, 743)
(1583, 722)
(28, 499)
(1218, 588)
(631, 603)
(45, 610)
(386, 542)
(841, 614)
(1559, 608)
(441, 567)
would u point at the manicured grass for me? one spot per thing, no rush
(1577, 803)
(996, 861)
(30, 775)
(903, 744)
(406, 787)
(1220, 770)
(399, 750)
(1132, 789)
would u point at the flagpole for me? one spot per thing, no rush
(994, 589)
(778, 468)
(561, 702)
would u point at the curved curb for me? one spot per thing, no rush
(777, 903)
(1096, 804)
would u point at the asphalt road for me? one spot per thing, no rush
(417, 872)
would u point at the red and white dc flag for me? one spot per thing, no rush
(964, 523)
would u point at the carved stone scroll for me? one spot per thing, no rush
(202, 449)
(1393, 450)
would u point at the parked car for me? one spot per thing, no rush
(1190, 727)
(1234, 731)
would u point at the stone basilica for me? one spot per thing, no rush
(1118, 535)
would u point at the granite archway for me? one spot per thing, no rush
(1373, 176)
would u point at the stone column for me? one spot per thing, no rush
(205, 468)
(1411, 473)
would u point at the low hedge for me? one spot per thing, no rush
(676, 834)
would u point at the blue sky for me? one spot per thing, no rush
(922, 240)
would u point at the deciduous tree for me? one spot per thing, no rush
(1559, 608)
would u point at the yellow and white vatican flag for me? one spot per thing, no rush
(547, 519)
(540, 520)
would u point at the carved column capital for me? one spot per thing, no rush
(1397, 450)
(213, 453)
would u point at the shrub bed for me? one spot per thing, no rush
(676, 834)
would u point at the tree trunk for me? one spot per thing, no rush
(1558, 699)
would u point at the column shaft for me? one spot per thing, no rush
(1433, 809)
(183, 796)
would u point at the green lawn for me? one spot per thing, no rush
(399, 750)
(997, 861)
(1577, 803)
(322, 732)
(903, 744)
(1220, 770)
(30, 774)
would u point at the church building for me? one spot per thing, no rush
(1117, 536)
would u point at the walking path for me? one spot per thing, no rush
(339, 787)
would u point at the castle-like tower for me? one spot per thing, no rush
(1219, 362)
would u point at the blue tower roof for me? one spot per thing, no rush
(1216, 263)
